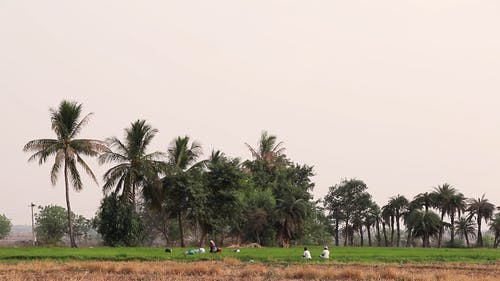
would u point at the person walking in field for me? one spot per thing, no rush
(307, 254)
(325, 254)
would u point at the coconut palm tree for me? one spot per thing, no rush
(424, 224)
(269, 151)
(465, 228)
(134, 166)
(480, 209)
(182, 163)
(68, 150)
(398, 204)
(495, 228)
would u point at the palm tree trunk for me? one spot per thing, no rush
(397, 225)
(337, 232)
(68, 205)
(452, 228)
(409, 239)
(346, 232)
(181, 229)
(133, 196)
(440, 237)
(368, 232)
(378, 233)
(361, 236)
(385, 233)
(467, 240)
(392, 231)
(479, 234)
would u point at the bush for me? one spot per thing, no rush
(458, 243)
(52, 224)
(5, 226)
(118, 223)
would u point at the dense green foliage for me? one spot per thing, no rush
(291, 255)
(51, 226)
(5, 226)
(118, 223)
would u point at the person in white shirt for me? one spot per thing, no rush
(325, 254)
(307, 254)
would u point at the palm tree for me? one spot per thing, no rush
(423, 200)
(182, 160)
(388, 218)
(424, 224)
(269, 151)
(135, 167)
(480, 209)
(415, 204)
(68, 150)
(442, 197)
(290, 216)
(398, 204)
(495, 228)
(456, 205)
(465, 228)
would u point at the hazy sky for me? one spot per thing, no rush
(401, 94)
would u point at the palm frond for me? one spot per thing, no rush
(76, 180)
(86, 168)
(77, 128)
(59, 159)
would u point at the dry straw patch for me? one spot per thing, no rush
(230, 269)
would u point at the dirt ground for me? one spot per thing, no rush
(232, 269)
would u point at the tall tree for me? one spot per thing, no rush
(398, 204)
(346, 201)
(290, 214)
(495, 228)
(68, 150)
(456, 206)
(424, 224)
(221, 180)
(480, 209)
(135, 167)
(5, 226)
(465, 228)
(388, 214)
(179, 183)
(442, 195)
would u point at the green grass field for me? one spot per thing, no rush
(264, 255)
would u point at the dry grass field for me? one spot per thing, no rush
(233, 269)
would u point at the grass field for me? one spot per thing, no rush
(349, 264)
(277, 256)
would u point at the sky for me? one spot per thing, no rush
(403, 95)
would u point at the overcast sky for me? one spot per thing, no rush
(401, 94)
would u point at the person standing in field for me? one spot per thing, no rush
(325, 254)
(307, 254)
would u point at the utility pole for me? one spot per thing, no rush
(32, 224)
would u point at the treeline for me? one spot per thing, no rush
(187, 199)
(427, 216)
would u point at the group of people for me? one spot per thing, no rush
(324, 255)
